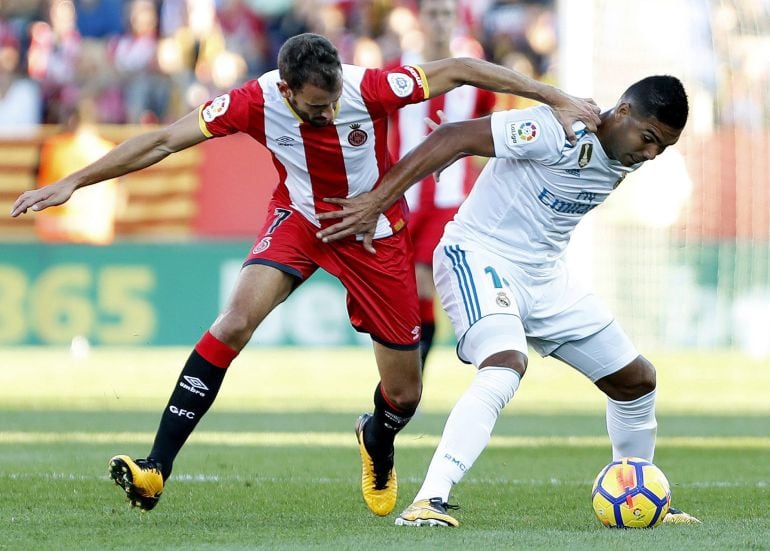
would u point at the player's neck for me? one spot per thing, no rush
(435, 52)
(604, 129)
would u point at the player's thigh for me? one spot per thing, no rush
(478, 291)
(599, 355)
(382, 290)
(258, 290)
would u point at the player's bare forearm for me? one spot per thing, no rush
(442, 147)
(134, 154)
(446, 74)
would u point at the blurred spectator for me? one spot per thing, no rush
(146, 91)
(21, 102)
(245, 34)
(89, 217)
(95, 79)
(53, 57)
(99, 18)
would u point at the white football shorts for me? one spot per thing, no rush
(494, 305)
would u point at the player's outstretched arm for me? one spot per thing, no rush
(132, 155)
(445, 74)
(441, 148)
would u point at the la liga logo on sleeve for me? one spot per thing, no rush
(527, 131)
(521, 132)
(216, 108)
(401, 84)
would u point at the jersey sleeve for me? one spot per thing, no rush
(529, 133)
(230, 112)
(386, 91)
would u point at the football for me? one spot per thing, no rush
(631, 493)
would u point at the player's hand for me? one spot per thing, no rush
(359, 216)
(570, 109)
(42, 198)
(431, 124)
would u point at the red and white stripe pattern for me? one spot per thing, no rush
(408, 129)
(345, 159)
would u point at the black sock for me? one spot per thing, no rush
(427, 330)
(386, 422)
(192, 397)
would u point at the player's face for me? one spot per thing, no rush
(312, 104)
(437, 18)
(634, 139)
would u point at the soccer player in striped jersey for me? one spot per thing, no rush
(432, 206)
(325, 125)
(501, 276)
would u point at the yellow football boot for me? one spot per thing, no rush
(427, 512)
(140, 478)
(379, 483)
(677, 516)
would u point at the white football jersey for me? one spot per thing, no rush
(529, 198)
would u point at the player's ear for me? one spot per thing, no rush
(284, 89)
(623, 110)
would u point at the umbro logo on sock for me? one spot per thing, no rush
(196, 386)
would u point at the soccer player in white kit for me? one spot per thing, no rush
(325, 125)
(501, 277)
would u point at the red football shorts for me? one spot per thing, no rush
(426, 226)
(381, 288)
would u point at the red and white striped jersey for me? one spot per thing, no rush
(345, 159)
(408, 129)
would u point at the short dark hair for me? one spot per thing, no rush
(309, 58)
(662, 97)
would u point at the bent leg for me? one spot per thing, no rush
(257, 291)
(470, 424)
(631, 422)
(395, 398)
(611, 361)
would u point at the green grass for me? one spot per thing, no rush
(274, 464)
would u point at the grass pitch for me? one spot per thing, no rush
(274, 464)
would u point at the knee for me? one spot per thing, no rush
(234, 328)
(512, 359)
(635, 380)
(405, 397)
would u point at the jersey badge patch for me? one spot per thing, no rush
(586, 151)
(216, 108)
(357, 136)
(527, 131)
(502, 300)
(262, 246)
(401, 84)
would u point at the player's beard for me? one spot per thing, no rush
(312, 121)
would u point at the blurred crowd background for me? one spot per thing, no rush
(139, 61)
(144, 61)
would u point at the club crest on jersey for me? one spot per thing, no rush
(262, 246)
(357, 136)
(216, 108)
(401, 84)
(503, 300)
(416, 333)
(586, 151)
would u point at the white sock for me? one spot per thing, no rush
(468, 430)
(632, 427)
